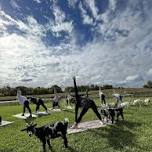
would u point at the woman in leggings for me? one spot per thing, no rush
(23, 101)
(39, 102)
(85, 104)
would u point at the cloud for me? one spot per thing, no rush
(92, 6)
(38, 1)
(14, 4)
(59, 24)
(120, 52)
(72, 3)
(86, 18)
(134, 78)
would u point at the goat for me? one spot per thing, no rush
(49, 131)
(137, 102)
(146, 101)
(110, 113)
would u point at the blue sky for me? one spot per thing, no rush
(46, 42)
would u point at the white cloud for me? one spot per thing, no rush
(134, 78)
(112, 4)
(38, 1)
(72, 3)
(14, 4)
(92, 6)
(59, 24)
(25, 59)
(86, 18)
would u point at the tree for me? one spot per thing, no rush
(148, 85)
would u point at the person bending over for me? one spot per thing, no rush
(23, 101)
(39, 102)
(85, 104)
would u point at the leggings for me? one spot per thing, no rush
(26, 105)
(55, 104)
(88, 104)
(103, 101)
(40, 103)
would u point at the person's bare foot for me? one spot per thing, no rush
(75, 126)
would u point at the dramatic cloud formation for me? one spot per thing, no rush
(47, 42)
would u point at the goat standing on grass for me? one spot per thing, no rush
(49, 131)
(110, 113)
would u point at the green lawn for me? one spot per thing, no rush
(132, 135)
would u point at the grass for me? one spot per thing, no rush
(132, 135)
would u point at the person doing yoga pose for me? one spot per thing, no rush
(85, 104)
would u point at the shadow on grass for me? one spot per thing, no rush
(119, 135)
(72, 149)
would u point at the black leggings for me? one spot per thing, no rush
(55, 104)
(40, 103)
(67, 102)
(103, 101)
(26, 105)
(88, 104)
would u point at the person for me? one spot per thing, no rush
(23, 101)
(85, 104)
(102, 97)
(56, 101)
(118, 99)
(39, 102)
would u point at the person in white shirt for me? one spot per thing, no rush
(118, 99)
(56, 101)
(24, 102)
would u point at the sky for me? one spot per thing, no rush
(47, 42)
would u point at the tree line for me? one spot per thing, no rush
(11, 91)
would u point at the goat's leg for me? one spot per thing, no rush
(122, 116)
(44, 143)
(118, 117)
(65, 141)
(112, 118)
(48, 142)
(37, 107)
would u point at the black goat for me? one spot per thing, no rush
(110, 113)
(47, 132)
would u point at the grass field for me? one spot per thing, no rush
(132, 135)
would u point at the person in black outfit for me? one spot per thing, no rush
(85, 104)
(102, 97)
(39, 102)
